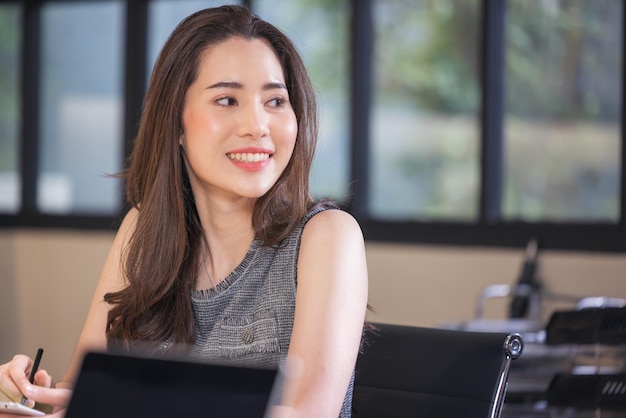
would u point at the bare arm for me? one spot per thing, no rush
(331, 302)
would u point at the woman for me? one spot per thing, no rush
(224, 252)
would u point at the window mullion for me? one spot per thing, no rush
(29, 114)
(135, 69)
(492, 111)
(360, 75)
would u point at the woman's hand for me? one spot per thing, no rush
(14, 384)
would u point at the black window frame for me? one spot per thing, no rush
(487, 231)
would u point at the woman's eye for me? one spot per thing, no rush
(277, 102)
(226, 101)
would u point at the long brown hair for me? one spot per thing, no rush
(160, 261)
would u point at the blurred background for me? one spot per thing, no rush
(456, 131)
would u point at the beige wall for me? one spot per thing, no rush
(435, 286)
(46, 281)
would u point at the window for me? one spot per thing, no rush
(80, 108)
(563, 88)
(495, 122)
(10, 41)
(463, 122)
(425, 111)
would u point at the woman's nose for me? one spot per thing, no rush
(253, 122)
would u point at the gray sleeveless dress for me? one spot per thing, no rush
(247, 319)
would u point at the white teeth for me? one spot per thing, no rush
(249, 157)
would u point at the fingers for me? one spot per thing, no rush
(44, 392)
(26, 388)
(42, 378)
(14, 384)
(56, 397)
(13, 377)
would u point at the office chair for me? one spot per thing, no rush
(406, 371)
(595, 379)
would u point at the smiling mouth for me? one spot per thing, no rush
(249, 157)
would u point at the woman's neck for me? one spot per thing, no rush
(229, 233)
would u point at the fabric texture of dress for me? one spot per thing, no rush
(247, 319)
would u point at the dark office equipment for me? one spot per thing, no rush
(595, 379)
(587, 326)
(415, 372)
(122, 386)
(588, 392)
(527, 283)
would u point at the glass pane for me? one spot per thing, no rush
(164, 15)
(320, 32)
(81, 121)
(425, 145)
(10, 40)
(563, 110)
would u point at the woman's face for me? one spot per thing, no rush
(239, 127)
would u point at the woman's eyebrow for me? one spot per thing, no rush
(226, 84)
(274, 85)
(237, 85)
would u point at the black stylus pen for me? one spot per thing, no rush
(31, 378)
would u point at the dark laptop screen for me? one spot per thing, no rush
(120, 386)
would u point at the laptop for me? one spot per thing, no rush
(130, 386)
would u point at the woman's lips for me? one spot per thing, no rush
(250, 159)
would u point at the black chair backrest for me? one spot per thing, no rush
(406, 371)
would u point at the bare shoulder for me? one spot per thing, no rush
(112, 276)
(332, 257)
(129, 221)
(332, 235)
(333, 223)
(127, 226)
